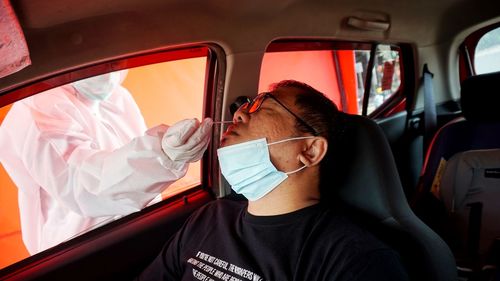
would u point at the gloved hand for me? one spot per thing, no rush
(187, 140)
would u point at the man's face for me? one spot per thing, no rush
(271, 121)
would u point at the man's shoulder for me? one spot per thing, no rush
(218, 211)
(341, 229)
(225, 204)
(353, 248)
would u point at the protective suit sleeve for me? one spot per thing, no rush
(104, 183)
(90, 181)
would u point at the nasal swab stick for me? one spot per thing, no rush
(224, 122)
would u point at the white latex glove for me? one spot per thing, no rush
(187, 140)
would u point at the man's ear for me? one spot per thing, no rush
(314, 151)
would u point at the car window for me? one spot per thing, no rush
(340, 70)
(164, 93)
(386, 76)
(169, 92)
(487, 54)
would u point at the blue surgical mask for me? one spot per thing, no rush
(248, 168)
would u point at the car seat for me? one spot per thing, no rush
(367, 181)
(458, 187)
(477, 129)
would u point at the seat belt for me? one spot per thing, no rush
(474, 230)
(430, 116)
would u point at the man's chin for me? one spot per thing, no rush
(226, 142)
(230, 139)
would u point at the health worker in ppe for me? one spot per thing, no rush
(81, 155)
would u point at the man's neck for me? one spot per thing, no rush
(286, 198)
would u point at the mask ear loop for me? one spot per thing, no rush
(296, 171)
(291, 139)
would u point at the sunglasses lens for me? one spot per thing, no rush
(256, 103)
(237, 104)
(244, 106)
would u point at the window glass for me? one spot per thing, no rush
(487, 55)
(169, 92)
(386, 76)
(163, 93)
(315, 68)
(337, 70)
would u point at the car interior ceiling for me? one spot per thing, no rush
(65, 31)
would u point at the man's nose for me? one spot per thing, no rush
(241, 115)
(237, 109)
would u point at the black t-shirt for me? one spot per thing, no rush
(222, 241)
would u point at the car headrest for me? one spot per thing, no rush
(480, 98)
(366, 176)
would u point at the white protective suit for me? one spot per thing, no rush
(79, 162)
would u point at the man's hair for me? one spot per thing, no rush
(322, 114)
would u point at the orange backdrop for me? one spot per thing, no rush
(11, 245)
(315, 68)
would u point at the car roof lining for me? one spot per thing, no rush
(69, 34)
(412, 21)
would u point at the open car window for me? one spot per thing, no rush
(164, 88)
(487, 55)
(479, 52)
(359, 77)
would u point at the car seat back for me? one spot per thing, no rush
(470, 189)
(366, 179)
(479, 128)
(457, 191)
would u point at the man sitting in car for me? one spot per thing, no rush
(276, 153)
